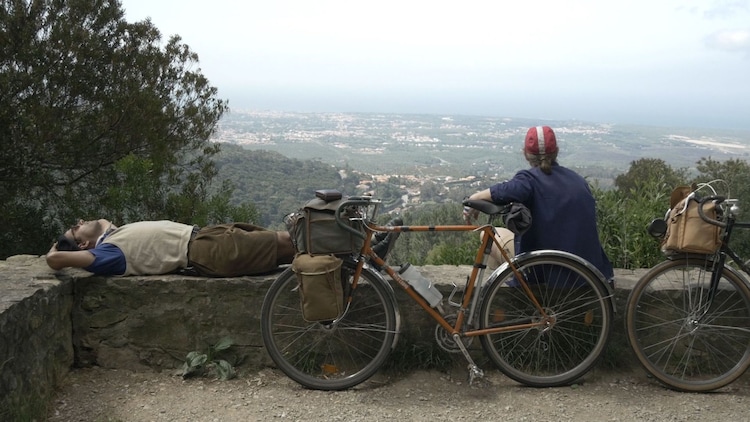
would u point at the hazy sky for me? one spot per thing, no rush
(655, 62)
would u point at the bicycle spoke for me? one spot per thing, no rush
(687, 338)
(576, 322)
(335, 354)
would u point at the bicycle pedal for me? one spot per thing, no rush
(475, 374)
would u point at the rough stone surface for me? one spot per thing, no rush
(153, 322)
(36, 349)
(51, 321)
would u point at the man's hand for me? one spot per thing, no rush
(470, 215)
(58, 260)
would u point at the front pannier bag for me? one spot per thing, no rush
(321, 292)
(687, 232)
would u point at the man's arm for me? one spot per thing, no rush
(483, 194)
(58, 260)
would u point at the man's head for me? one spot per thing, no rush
(540, 147)
(83, 234)
(65, 243)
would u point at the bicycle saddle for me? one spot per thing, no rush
(486, 207)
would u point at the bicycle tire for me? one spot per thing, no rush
(330, 356)
(680, 350)
(580, 308)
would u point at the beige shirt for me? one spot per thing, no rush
(152, 247)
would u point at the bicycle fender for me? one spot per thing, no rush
(737, 273)
(389, 289)
(518, 260)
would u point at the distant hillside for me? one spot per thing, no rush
(276, 184)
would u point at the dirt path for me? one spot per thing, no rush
(107, 395)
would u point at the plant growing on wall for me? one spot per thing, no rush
(199, 363)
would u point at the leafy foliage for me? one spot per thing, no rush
(100, 119)
(623, 215)
(278, 185)
(646, 171)
(411, 354)
(623, 212)
(622, 219)
(736, 176)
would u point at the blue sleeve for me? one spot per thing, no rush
(108, 260)
(517, 189)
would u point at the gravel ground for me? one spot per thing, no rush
(93, 395)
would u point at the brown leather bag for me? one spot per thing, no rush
(687, 232)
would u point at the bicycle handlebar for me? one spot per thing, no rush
(704, 217)
(354, 201)
(483, 206)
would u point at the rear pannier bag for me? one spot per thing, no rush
(314, 229)
(320, 289)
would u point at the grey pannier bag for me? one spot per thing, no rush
(314, 229)
(320, 289)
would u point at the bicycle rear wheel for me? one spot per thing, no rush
(683, 337)
(575, 334)
(330, 355)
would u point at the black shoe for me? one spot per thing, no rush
(384, 247)
(396, 221)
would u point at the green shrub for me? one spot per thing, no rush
(623, 219)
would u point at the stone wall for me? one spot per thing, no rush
(142, 323)
(139, 323)
(51, 321)
(36, 347)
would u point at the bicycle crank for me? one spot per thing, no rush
(446, 341)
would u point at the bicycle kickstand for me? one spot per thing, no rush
(475, 372)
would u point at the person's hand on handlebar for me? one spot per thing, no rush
(470, 215)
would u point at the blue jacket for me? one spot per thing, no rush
(563, 213)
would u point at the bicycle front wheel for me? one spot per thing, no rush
(686, 336)
(330, 355)
(577, 316)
